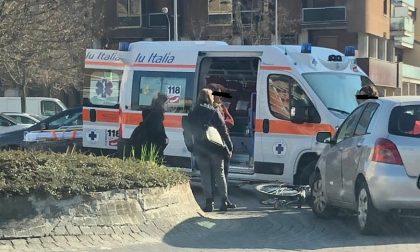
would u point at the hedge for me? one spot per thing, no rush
(25, 172)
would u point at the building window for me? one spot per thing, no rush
(129, 13)
(405, 88)
(385, 7)
(220, 12)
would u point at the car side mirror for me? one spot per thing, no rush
(43, 126)
(299, 114)
(324, 137)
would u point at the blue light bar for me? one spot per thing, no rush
(306, 48)
(123, 46)
(350, 51)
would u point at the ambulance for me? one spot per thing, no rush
(101, 92)
(281, 96)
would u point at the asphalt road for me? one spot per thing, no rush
(256, 227)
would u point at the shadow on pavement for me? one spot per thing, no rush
(253, 226)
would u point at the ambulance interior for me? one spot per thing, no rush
(237, 76)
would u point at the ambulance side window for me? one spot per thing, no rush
(284, 92)
(177, 86)
(278, 95)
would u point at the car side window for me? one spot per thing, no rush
(349, 125)
(4, 122)
(365, 119)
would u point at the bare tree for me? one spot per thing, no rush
(42, 42)
(199, 28)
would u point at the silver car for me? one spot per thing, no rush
(372, 164)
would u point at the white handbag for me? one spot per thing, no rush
(214, 137)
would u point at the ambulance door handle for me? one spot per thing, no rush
(92, 115)
(266, 125)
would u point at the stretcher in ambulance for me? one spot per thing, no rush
(282, 96)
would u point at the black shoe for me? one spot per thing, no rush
(224, 205)
(230, 204)
(209, 205)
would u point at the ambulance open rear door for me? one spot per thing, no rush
(101, 91)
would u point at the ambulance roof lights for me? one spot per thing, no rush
(306, 48)
(350, 51)
(123, 46)
(335, 58)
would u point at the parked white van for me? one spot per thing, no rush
(42, 106)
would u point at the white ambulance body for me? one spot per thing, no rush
(103, 73)
(282, 96)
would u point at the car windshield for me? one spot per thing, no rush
(405, 121)
(337, 90)
(70, 119)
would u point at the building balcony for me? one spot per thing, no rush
(404, 42)
(411, 4)
(336, 15)
(409, 72)
(402, 26)
(148, 25)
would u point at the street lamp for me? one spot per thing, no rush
(165, 11)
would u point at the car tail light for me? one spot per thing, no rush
(120, 121)
(386, 152)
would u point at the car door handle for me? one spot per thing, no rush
(359, 145)
(341, 149)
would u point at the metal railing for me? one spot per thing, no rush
(323, 15)
(402, 24)
(410, 3)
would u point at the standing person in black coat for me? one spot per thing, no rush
(229, 121)
(209, 161)
(151, 132)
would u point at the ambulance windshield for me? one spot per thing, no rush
(338, 90)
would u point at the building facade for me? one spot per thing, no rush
(385, 33)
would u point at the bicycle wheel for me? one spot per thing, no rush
(276, 190)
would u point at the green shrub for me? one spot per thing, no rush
(23, 172)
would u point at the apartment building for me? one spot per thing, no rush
(406, 30)
(233, 21)
(384, 32)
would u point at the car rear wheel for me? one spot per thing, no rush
(368, 217)
(319, 202)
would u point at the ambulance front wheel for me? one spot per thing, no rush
(307, 172)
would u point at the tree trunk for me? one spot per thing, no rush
(237, 22)
(23, 99)
(24, 89)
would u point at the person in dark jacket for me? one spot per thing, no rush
(151, 131)
(229, 121)
(209, 161)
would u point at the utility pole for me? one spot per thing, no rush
(276, 23)
(176, 20)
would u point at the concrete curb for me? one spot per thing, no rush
(150, 212)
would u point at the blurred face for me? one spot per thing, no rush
(217, 98)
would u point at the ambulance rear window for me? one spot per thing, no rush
(101, 88)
